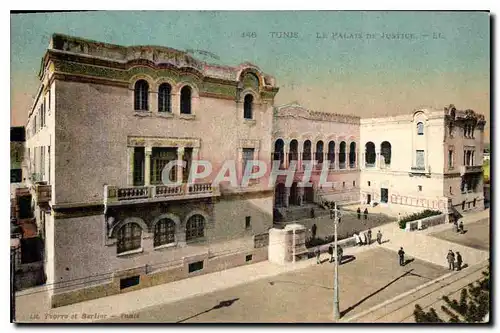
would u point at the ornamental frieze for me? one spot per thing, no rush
(163, 142)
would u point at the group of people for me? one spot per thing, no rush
(366, 237)
(365, 213)
(454, 261)
(331, 250)
(459, 228)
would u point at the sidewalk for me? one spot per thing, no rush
(400, 308)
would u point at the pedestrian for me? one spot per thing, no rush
(451, 260)
(459, 261)
(455, 225)
(461, 227)
(366, 213)
(401, 255)
(340, 254)
(312, 213)
(359, 213)
(379, 237)
(318, 252)
(369, 234)
(330, 251)
(314, 228)
(357, 239)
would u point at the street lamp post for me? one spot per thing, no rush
(336, 311)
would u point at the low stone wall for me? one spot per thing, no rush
(425, 223)
(345, 243)
(29, 275)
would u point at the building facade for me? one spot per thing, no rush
(107, 119)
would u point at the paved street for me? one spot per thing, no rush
(305, 295)
(477, 235)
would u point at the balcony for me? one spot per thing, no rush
(465, 169)
(43, 193)
(154, 193)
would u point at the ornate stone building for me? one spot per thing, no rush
(106, 120)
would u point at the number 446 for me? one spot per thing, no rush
(249, 34)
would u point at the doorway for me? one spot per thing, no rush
(368, 199)
(384, 195)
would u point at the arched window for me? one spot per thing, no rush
(352, 155)
(342, 156)
(385, 151)
(141, 92)
(294, 150)
(319, 152)
(306, 154)
(331, 154)
(420, 128)
(164, 101)
(186, 100)
(164, 232)
(370, 154)
(195, 227)
(129, 238)
(279, 150)
(248, 107)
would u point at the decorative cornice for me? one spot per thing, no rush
(295, 110)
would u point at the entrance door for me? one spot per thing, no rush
(308, 194)
(368, 198)
(384, 195)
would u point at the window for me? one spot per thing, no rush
(450, 159)
(48, 156)
(248, 107)
(247, 156)
(420, 128)
(451, 190)
(160, 157)
(138, 166)
(48, 100)
(129, 237)
(164, 232)
(164, 99)
(343, 184)
(186, 100)
(353, 183)
(420, 159)
(195, 227)
(129, 282)
(248, 258)
(369, 183)
(463, 205)
(16, 175)
(248, 224)
(474, 203)
(141, 92)
(195, 266)
(420, 188)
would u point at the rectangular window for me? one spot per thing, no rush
(248, 224)
(353, 183)
(369, 183)
(248, 258)
(129, 282)
(420, 159)
(195, 266)
(138, 166)
(450, 159)
(420, 188)
(48, 100)
(48, 156)
(343, 184)
(160, 157)
(247, 156)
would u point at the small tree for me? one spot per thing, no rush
(473, 306)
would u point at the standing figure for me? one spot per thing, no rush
(455, 226)
(401, 255)
(461, 227)
(366, 213)
(451, 260)
(318, 252)
(359, 213)
(459, 261)
(330, 251)
(313, 230)
(379, 237)
(340, 254)
(312, 213)
(369, 234)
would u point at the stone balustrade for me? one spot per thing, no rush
(130, 193)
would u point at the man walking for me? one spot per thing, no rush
(401, 254)
(340, 254)
(330, 251)
(312, 213)
(313, 230)
(379, 237)
(359, 213)
(369, 234)
(459, 261)
(451, 260)
(366, 213)
(455, 226)
(318, 252)
(461, 227)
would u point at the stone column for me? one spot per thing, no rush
(239, 167)
(287, 196)
(377, 158)
(180, 156)
(300, 194)
(286, 152)
(130, 167)
(147, 165)
(300, 148)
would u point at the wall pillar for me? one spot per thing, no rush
(180, 169)
(377, 158)
(147, 165)
(130, 166)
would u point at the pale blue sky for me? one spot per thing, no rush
(344, 76)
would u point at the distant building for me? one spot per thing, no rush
(17, 145)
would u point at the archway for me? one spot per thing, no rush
(385, 151)
(342, 156)
(294, 151)
(352, 155)
(279, 153)
(369, 154)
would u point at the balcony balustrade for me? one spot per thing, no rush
(465, 169)
(159, 192)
